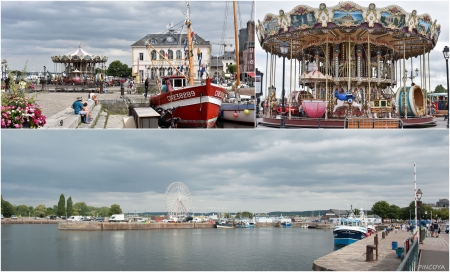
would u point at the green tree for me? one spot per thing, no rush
(394, 212)
(442, 214)
(103, 211)
(61, 206)
(381, 208)
(81, 208)
(116, 68)
(232, 68)
(440, 89)
(244, 215)
(22, 210)
(40, 210)
(31, 210)
(115, 209)
(69, 208)
(49, 211)
(7, 208)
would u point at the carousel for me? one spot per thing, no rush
(78, 67)
(353, 64)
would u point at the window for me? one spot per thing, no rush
(141, 56)
(153, 41)
(178, 54)
(170, 53)
(162, 53)
(153, 55)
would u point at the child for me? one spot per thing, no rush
(85, 110)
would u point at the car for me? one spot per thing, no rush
(53, 217)
(2, 216)
(99, 219)
(86, 219)
(63, 217)
(446, 228)
(36, 218)
(13, 217)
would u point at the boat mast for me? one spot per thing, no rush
(236, 42)
(190, 46)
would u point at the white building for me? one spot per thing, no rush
(150, 63)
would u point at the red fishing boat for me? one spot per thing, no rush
(197, 106)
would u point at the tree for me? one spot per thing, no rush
(22, 210)
(117, 69)
(7, 208)
(244, 215)
(232, 68)
(381, 208)
(103, 211)
(394, 212)
(115, 209)
(61, 206)
(69, 208)
(440, 89)
(49, 211)
(40, 210)
(81, 208)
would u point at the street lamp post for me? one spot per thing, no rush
(419, 205)
(284, 48)
(446, 64)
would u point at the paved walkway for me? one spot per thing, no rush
(434, 254)
(56, 106)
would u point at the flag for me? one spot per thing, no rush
(181, 68)
(169, 25)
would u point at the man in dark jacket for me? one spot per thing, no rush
(146, 87)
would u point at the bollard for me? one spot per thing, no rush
(122, 91)
(376, 244)
(369, 253)
(383, 235)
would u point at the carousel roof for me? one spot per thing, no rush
(79, 55)
(391, 28)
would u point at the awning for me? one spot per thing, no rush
(251, 74)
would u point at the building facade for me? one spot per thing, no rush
(247, 51)
(172, 46)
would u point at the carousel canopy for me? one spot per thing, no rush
(389, 27)
(79, 55)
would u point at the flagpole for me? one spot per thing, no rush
(236, 46)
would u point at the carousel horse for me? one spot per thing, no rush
(345, 99)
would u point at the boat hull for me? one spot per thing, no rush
(196, 106)
(228, 110)
(225, 226)
(347, 236)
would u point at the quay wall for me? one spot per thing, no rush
(26, 221)
(92, 225)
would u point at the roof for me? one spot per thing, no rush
(167, 39)
(79, 52)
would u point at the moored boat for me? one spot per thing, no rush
(286, 224)
(245, 224)
(225, 225)
(350, 229)
(196, 106)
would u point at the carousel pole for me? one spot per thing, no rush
(326, 80)
(405, 107)
(290, 81)
(369, 74)
(348, 65)
(267, 62)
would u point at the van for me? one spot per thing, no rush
(74, 218)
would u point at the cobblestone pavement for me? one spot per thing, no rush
(434, 254)
(52, 102)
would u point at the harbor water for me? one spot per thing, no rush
(44, 247)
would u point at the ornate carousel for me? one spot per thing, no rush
(353, 63)
(78, 67)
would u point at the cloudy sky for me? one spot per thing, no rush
(257, 171)
(438, 10)
(37, 30)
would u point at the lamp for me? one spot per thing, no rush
(445, 52)
(284, 48)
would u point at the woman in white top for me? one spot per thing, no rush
(92, 96)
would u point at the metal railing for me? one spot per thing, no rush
(411, 260)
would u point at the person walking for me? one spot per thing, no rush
(146, 87)
(436, 228)
(7, 82)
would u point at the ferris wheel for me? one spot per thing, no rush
(178, 199)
